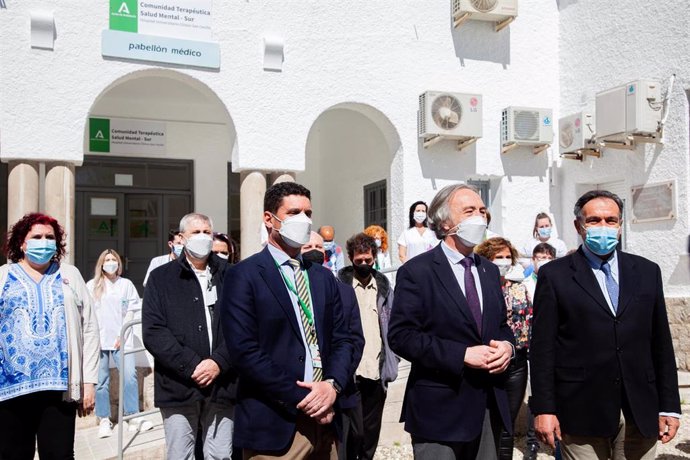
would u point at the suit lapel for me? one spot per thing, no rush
(585, 278)
(628, 278)
(274, 280)
(445, 274)
(487, 299)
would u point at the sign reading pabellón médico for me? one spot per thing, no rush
(171, 31)
(118, 135)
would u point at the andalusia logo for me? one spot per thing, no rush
(99, 135)
(123, 15)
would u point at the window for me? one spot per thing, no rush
(376, 205)
(484, 187)
(233, 204)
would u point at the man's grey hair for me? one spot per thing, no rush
(591, 195)
(439, 209)
(192, 217)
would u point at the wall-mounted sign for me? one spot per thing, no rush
(653, 202)
(117, 135)
(171, 31)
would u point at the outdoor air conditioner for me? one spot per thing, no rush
(576, 136)
(450, 116)
(629, 112)
(502, 12)
(526, 126)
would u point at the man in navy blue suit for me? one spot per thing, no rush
(449, 321)
(283, 323)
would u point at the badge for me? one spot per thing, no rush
(211, 296)
(315, 355)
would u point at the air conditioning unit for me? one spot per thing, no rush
(629, 112)
(502, 12)
(576, 136)
(526, 126)
(450, 116)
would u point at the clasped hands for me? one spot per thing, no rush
(318, 404)
(494, 357)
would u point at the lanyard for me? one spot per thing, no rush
(291, 287)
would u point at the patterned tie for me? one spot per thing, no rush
(471, 292)
(611, 285)
(309, 328)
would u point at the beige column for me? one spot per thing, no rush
(252, 190)
(278, 177)
(22, 190)
(59, 200)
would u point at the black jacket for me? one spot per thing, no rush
(175, 333)
(585, 360)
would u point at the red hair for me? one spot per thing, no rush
(18, 232)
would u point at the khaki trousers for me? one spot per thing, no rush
(311, 441)
(627, 444)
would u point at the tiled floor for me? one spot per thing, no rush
(146, 445)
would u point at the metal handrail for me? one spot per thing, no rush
(121, 390)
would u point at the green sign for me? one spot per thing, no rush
(99, 135)
(123, 15)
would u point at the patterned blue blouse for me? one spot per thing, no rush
(33, 334)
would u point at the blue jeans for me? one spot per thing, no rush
(103, 387)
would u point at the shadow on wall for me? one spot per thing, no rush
(477, 41)
(444, 161)
(521, 161)
(563, 4)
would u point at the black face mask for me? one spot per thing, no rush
(363, 270)
(314, 256)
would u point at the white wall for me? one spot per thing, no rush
(346, 150)
(601, 48)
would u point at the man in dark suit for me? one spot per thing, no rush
(449, 321)
(604, 377)
(283, 322)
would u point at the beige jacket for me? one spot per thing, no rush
(84, 345)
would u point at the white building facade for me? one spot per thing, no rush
(338, 112)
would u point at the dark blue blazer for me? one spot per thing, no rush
(587, 363)
(266, 348)
(349, 397)
(431, 326)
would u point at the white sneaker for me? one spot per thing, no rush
(146, 425)
(105, 428)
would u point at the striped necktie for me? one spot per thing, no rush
(309, 327)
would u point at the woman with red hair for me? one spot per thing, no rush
(383, 259)
(49, 343)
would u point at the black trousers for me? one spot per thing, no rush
(42, 417)
(364, 424)
(516, 384)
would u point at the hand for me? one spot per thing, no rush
(548, 429)
(88, 400)
(668, 427)
(320, 399)
(205, 373)
(501, 356)
(326, 418)
(478, 356)
(117, 344)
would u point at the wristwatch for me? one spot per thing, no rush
(335, 385)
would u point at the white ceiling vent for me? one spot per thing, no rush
(501, 12)
(450, 116)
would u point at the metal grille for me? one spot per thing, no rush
(526, 125)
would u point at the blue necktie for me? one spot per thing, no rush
(471, 293)
(611, 285)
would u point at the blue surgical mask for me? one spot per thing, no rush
(177, 249)
(40, 251)
(329, 246)
(602, 240)
(544, 232)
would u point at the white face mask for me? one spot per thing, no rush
(419, 216)
(295, 230)
(503, 265)
(110, 267)
(471, 231)
(199, 245)
(541, 263)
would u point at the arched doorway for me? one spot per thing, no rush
(130, 195)
(349, 156)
